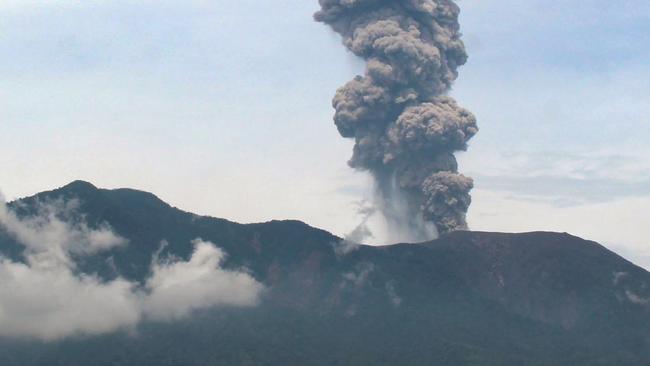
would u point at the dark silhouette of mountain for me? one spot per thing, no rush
(468, 298)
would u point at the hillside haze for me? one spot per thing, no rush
(467, 298)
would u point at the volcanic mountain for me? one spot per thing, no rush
(467, 298)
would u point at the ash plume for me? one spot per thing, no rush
(406, 129)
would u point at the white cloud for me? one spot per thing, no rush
(44, 296)
(177, 288)
(47, 301)
(49, 234)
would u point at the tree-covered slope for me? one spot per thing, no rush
(468, 298)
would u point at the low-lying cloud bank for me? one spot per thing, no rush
(44, 297)
(176, 288)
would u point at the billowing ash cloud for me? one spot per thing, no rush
(405, 127)
(44, 295)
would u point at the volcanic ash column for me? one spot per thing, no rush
(406, 129)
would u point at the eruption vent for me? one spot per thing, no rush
(406, 129)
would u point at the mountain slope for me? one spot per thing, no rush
(468, 298)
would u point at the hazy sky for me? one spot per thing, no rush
(223, 108)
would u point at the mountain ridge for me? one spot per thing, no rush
(77, 188)
(467, 298)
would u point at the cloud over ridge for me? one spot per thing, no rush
(43, 296)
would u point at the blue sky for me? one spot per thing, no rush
(223, 108)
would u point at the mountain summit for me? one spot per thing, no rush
(467, 298)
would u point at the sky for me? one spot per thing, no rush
(224, 108)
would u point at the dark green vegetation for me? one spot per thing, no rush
(468, 298)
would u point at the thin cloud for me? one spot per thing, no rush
(567, 179)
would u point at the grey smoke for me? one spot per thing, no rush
(392, 294)
(353, 240)
(359, 276)
(636, 299)
(362, 232)
(406, 129)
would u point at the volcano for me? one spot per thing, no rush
(467, 298)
